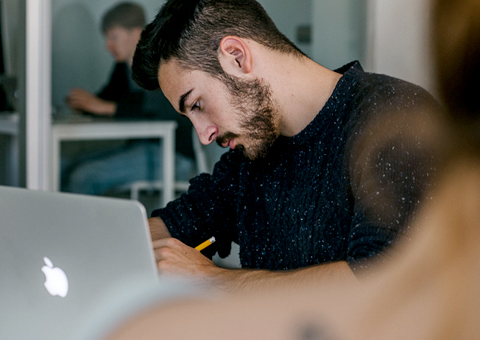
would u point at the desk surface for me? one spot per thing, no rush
(75, 118)
(85, 127)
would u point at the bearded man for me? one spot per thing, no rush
(297, 191)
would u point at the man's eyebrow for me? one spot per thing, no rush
(181, 102)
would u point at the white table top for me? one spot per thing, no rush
(77, 127)
(85, 127)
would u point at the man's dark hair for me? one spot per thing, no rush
(126, 14)
(191, 30)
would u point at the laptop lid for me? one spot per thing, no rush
(61, 254)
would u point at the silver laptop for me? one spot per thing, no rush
(63, 255)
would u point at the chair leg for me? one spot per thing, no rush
(134, 192)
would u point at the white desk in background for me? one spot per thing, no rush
(9, 125)
(78, 128)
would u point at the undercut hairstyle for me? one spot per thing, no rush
(191, 31)
(126, 15)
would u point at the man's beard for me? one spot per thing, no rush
(257, 115)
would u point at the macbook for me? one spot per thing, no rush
(61, 255)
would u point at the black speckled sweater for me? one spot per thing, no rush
(326, 194)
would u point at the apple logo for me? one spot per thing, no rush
(56, 281)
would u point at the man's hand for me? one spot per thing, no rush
(79, 99)
(175, 257)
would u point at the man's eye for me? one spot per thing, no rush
(196, 106)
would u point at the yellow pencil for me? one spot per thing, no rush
(205, 244)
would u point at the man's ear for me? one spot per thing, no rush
(235, 56)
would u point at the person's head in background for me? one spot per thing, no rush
(122, 26)
(456, 50)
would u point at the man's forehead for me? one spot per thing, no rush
(167, 67)
(174, 74)
(172, 79)
(167, 73)
(173, 67)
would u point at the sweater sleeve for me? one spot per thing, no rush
(129, 101)
(207, 209)
(131, 106)
(392, 162)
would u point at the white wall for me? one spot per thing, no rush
(288, 15)
(387, 36)
(398, 40)
(338, 31)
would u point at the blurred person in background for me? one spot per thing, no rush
(98, 172)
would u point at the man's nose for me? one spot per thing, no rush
(207, 133)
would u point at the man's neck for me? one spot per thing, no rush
(301, 90)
